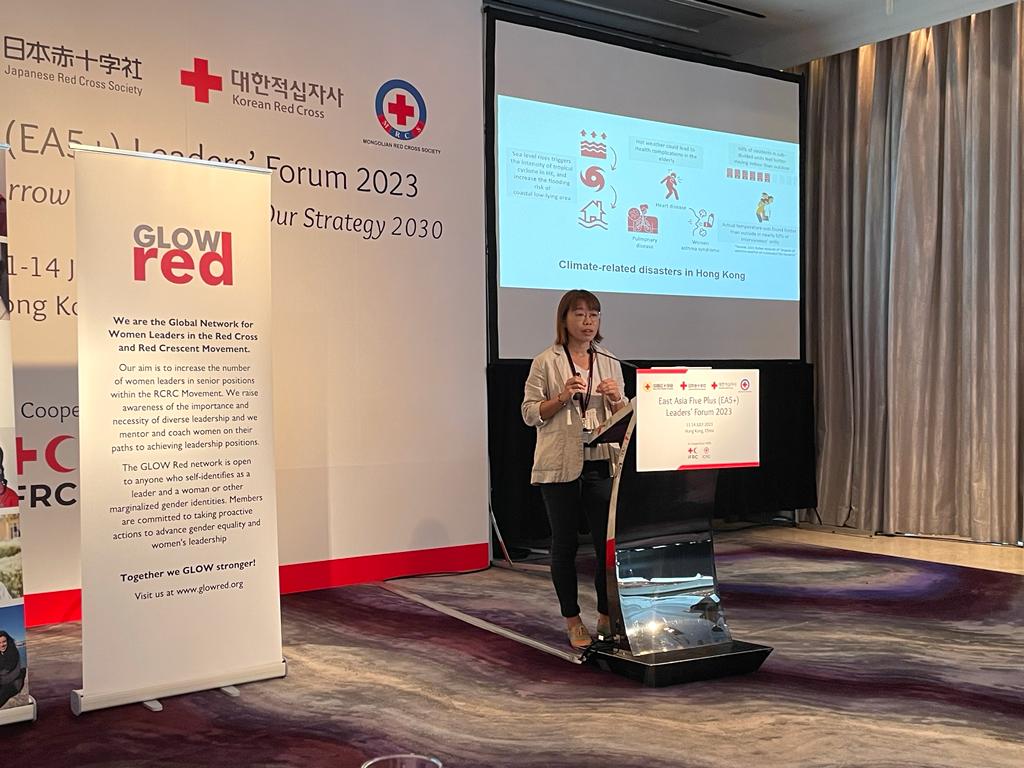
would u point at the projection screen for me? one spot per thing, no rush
(669, 187)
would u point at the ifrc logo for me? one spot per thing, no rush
(201, 80)
(401, 110)
(27, 455)
(56, 459)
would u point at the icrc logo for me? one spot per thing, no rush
(400, 109)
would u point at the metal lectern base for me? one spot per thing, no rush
(659, 669)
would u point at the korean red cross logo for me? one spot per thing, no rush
(201, 80)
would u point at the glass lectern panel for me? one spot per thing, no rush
(663, 591)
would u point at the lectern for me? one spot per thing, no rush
(668, 622)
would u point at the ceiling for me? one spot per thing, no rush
(772, 33)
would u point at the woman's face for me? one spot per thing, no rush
(582, 323)
(3, 644)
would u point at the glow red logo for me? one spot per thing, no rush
(170, 251)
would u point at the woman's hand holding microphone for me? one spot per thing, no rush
(574, 385)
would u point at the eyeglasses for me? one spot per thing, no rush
(591, 316)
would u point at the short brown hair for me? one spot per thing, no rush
(566, 305)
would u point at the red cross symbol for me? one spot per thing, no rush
(647, 386)
(714, 385)
(400, 109)
(683, 385)
(201, 80)
(24, 455)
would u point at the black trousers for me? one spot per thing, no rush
(588, 495)
(10, 690)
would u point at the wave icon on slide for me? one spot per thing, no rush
(593, 147)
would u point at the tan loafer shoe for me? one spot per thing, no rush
(579, 636)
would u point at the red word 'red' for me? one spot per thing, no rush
(173, 253)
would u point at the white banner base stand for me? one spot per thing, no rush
(81, 701)
(23, 714)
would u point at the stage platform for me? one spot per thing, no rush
(878, 661)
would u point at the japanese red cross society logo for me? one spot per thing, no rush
(401, 110)
(744, 384)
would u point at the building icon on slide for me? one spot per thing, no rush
(592, 215)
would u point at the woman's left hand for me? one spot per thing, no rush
(610, 388)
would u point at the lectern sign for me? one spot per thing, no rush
(697, 419)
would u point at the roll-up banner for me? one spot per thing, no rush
(15, 703)
(179, 528)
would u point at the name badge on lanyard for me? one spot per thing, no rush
(588, 414)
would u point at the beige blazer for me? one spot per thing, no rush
(558, 457)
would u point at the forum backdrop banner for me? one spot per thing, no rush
(179, 521)
(369, 115)
(15, 703)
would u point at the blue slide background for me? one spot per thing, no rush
(548, 215)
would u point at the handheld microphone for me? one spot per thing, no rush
(596, 351)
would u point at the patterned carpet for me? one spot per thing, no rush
(878, 661)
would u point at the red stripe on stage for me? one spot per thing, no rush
(721, 466)
(303, 577)
(57, 607)
(53, 607)
(662, 370)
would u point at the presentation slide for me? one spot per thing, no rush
(627, 205)
(669, 187)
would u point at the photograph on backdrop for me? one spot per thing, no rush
(13, 662)
(5, 293)
(8, 495)
(11, 583)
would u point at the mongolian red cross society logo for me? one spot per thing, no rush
(401, 110)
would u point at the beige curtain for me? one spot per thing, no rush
(914, 159)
